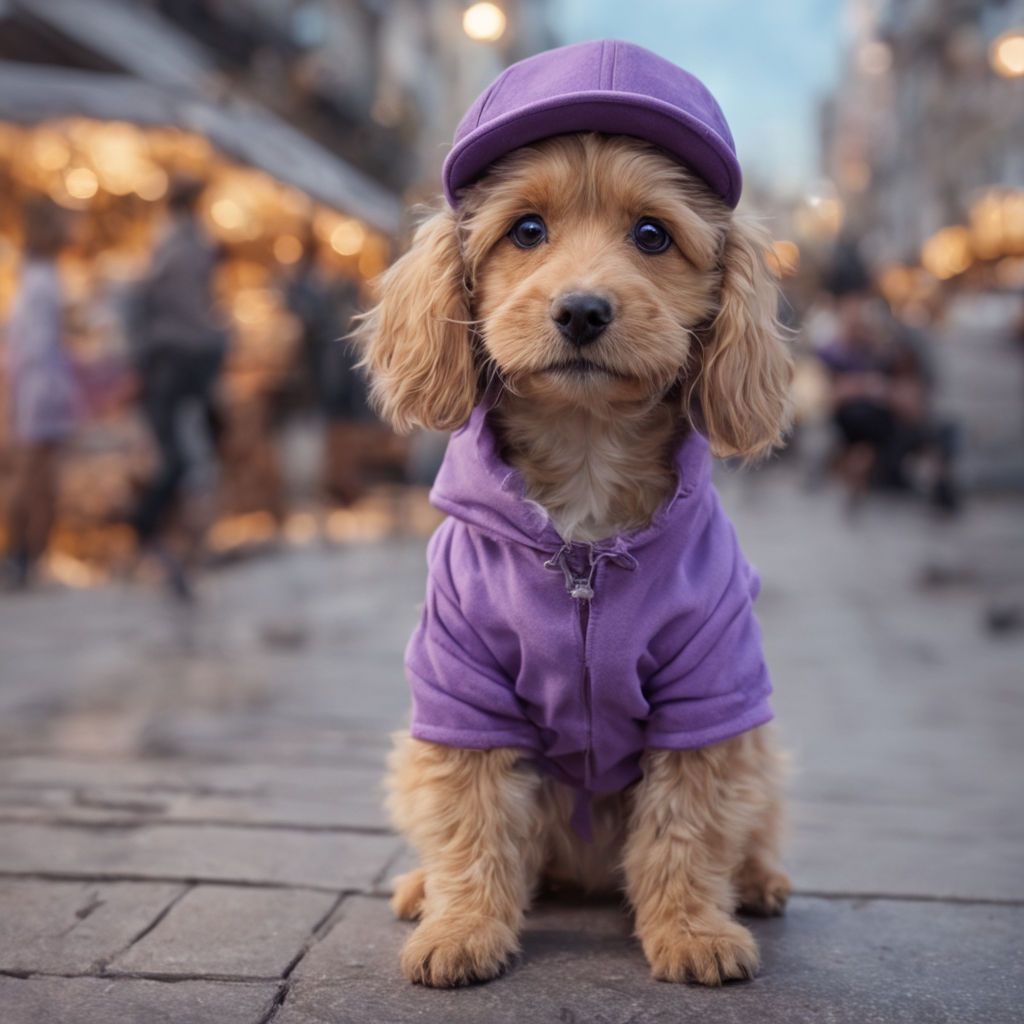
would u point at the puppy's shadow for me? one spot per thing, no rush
(567, 927)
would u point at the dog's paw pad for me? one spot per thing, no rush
(728, 954)
(444, 953)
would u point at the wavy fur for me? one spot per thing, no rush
(699, 834)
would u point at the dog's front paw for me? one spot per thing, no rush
(447, 951)
(726, 953)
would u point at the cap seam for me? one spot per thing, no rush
(487, 96)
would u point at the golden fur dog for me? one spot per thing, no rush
(692, 328)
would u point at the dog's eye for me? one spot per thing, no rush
(528, 231)
(650, 236)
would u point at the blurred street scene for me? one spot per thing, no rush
(212, 551)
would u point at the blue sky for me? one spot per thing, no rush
(768, 62)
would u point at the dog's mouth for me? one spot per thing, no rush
(583, 368)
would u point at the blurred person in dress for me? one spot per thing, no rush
(43, 395)
(180, 341)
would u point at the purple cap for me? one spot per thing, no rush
(604, 86)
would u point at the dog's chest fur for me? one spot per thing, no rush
(594, 476)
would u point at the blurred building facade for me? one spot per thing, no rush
(381, 82)
(923, 134)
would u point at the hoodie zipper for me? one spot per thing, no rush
(581, 589)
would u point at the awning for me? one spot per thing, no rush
(33, 92)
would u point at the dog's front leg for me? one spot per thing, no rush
(686, 838)
(472, 815)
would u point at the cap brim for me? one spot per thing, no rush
(679, 134)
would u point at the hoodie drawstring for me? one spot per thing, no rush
(581, 587)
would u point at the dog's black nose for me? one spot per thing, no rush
(581, 316)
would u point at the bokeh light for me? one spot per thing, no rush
(484, 22)
(1007, 54)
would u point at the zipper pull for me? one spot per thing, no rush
(581, 589)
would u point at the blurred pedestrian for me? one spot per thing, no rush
(881, 385)
(324, 308)
(180, 340)
(43, 394)
(858, 366)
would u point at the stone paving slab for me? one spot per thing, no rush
(229, 931)
(923, 851)
(834, 961)
(260, 776)
(130, 1001)
(360, 809)
(82, 789)
(74, 927)
(335, 861)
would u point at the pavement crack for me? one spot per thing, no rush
(378, 879)
(91, 907)
(898, 897)
(118, 976)
(142, 821)
(161, 914)
(120, 876)
(280, 996)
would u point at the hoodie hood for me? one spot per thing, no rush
(476, 486)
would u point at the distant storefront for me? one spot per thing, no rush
(106, 149)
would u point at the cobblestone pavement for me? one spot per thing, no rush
(191, 829)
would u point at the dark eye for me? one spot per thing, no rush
(528, 231)
(651, 237)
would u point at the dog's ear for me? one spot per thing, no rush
(746, 368)
(417, 342)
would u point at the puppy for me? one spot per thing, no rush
(589, 693)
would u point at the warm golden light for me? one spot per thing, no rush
(373, 259)
(239, 530)
(81, 183)
(348, 237)
(948, 252)
(252, 305)
(783, 258)
(227, 214)
(287, 249)
(50, 150)
(151, 183)
(1007, 54)
(484, 22)
(896, 284)
(301, 528)
(821, 216)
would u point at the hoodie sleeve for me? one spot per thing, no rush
(712, 682)
(461, 695)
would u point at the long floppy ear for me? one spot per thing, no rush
(746, 367)
(417, 342)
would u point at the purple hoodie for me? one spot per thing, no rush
(582, 654)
